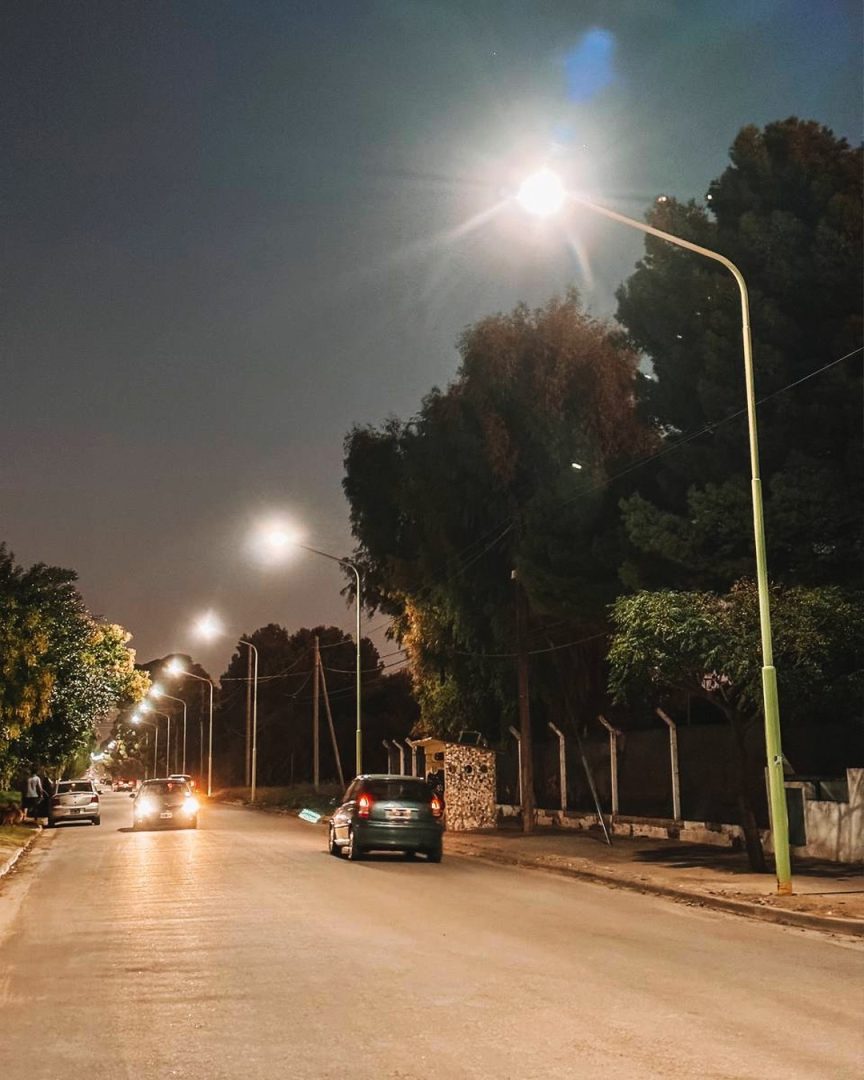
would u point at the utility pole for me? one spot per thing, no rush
(315, 695)
(525, 741)
(336, 753)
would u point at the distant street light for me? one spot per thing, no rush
(274, 542)
(157, 691)
(176, 668)
(147, 707)
(209, 626)
(543, 194)
(136, 720)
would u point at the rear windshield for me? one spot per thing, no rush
(165, 787)
(74, 785)
(412, 790)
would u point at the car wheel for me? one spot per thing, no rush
(332, 846)
(49, 824)
(433, 856)
(409, 855)
(353, 849)
(97, 820)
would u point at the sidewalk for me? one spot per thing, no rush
(14, 841)
(827, 896)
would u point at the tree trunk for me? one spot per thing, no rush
(746, 813)
(526, 741)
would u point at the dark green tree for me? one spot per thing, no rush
(478, 485)
(787, 211)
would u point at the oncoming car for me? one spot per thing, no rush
(380, 812)
(74, 800)
(164, 804)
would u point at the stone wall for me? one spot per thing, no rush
(469, 787)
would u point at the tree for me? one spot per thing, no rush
(708, 645)
(470, 513)
(63, 670)
(787, 211)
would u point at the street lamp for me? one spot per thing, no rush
(176, 668)
(136, 720)
(543, 194)
(274, 542)
(157, 691)
(147, 707)
(209, 626)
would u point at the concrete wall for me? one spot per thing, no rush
(835, 830)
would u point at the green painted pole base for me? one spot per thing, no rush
(776, 786)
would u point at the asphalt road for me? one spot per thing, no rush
(243, 950)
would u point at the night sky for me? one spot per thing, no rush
(232, 230)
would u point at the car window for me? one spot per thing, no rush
(411, 790)
(165, 787)
(351, 792)
(73, 785)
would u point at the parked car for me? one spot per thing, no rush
(382, 812)
(74, 800)
(124, 785)
(164, 804)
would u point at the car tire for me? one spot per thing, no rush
(97, 820)
(434, 856)
(410, 854)
(49, 824)
(352, 849)
(332, 846)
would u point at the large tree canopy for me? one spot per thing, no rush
(787, 211)
(480, 484)
(62, 669)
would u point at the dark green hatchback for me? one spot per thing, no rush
(380, 812)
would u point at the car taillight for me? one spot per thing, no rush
(437, 806)
(94, 798)
(364, 805)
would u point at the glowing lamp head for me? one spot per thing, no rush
(275, 541)
(145, 707)
(208, 627)
(136, 719)
(175, 667)
(156, 690)
(542, 193)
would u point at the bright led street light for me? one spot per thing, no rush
(542, 193)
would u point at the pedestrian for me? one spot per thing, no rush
(34, 793)
(48, 790)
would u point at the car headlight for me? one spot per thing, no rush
(190, 806)
(145, 807)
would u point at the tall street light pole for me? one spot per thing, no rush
(176, 668)
(543, 194)
(254, 777)
(145, 706)
(358, 735)
(158, 692)
(136, 720)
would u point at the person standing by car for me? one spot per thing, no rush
(47, 790)
(34, 793)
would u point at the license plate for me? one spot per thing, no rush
(166, 813)
(74, 810)
(398, 814)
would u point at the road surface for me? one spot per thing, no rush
(243, 951)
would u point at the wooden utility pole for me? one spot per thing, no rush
(525, 740)
(336, 753)
(316, 763)
(247, 773)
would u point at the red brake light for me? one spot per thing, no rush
(437, 806)
(364, 805)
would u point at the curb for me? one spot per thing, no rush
(13, 859)
(801, 919)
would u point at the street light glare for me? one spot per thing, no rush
(156, 690)
(274, 541)
(208, 626)
(542, 193)
(175, 667)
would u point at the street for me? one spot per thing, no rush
(244, 950)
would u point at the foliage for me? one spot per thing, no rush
(709, 645)
(447, 505)
(62, 669)
(787, 211)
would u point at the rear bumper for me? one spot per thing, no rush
(60, 814)
(387, 836)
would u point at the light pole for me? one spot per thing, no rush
(136, 720)
(158, 692)
(145, 706)
(543, 194)
(209, 626)
(176, 668)
(358, 734)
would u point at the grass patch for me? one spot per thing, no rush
(13, 837)
(7, 797)
(292, 797)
